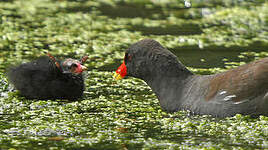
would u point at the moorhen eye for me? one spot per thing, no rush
(128, 57)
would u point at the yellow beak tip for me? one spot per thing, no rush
(84, 67)
(117, 76)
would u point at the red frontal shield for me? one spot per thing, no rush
(121, 72)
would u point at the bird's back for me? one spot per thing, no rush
(30, 78)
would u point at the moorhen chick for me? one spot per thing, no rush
(243, 90)
(48, 78)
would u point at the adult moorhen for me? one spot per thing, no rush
(48, 78)
(243, 90)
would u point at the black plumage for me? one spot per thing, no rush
(47, 78)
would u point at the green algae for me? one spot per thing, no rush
(117, 115)
(126, 114)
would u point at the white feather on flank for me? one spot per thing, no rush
(265, 96)
(227, 98)
(241, 101)
(223, 92)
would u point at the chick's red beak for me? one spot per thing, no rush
(121, 72)
(80, 68)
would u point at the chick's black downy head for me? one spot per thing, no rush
(73, 66)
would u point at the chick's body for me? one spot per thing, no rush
(42, 79)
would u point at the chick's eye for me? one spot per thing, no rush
(74, 66)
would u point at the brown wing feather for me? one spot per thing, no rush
(246, 81)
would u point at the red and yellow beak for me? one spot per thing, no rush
(78, 69)
(121, 72)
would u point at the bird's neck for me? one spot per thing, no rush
(169, 86)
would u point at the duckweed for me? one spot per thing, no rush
(126, 114)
